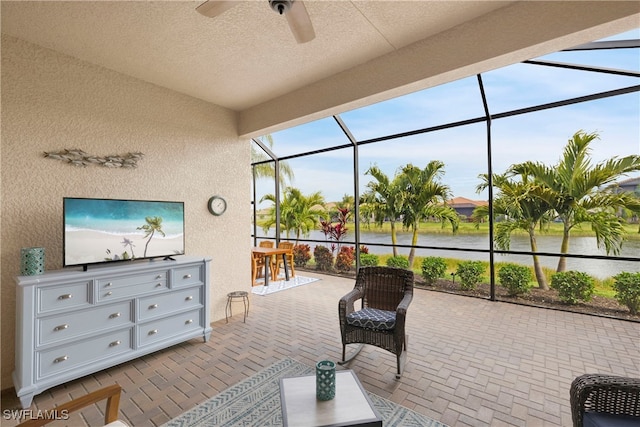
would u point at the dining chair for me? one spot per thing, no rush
(257, 269)
(112, 395)
(288, 258)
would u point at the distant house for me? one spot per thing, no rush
(465, 206)
(631, 185)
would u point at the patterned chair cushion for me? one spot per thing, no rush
(372, 318)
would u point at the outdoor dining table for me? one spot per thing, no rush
(267, 253)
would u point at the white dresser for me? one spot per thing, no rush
(72, 323)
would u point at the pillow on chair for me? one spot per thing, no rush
(601, 419)
(373, 318)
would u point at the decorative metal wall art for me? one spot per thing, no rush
(77, 157)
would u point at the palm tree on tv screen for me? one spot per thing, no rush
(154, 223)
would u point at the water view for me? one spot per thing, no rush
(578, 245)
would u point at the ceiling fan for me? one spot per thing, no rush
(294, 10)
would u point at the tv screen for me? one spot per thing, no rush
(107, 230)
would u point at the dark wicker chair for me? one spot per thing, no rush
(617, 399)
(383, 291)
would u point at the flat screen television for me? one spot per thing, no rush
(110, 230)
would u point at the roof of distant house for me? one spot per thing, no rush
(629, 182)
(461, 202)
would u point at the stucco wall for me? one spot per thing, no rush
(51, 102)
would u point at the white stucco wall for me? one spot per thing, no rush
(51, 102)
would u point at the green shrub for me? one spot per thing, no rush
(627, 286)
(573, 286)
(301, 255)
(345, 258)
(515, 278)
(323, 257)
(433, 268)
(469, 273)
(398, 261)
(369, 260)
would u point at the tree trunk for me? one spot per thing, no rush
(394, 238)
(537, 268)
(414, 242)
(564, 248)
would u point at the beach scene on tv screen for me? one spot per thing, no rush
(114, 230)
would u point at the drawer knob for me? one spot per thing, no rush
(65, 296)
(114, 315)
(61, 359)
(188, 322)
(189, 298)
(187, 276)
(153, 332)
(108, 294)
(159, 276)
(107, 285)
(152, 306)
(115, 343)
(159, 285)
(61, 327)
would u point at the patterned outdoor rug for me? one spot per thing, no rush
(255, 402)
(282, 285)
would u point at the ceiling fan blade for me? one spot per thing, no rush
(213, 8)
(300, 22)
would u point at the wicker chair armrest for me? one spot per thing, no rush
(404, 305)
(604, 393)
(401, 313)
(347, 302)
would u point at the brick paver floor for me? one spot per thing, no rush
(471, 362)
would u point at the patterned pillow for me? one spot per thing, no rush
(372, 318)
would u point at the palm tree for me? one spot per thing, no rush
(522, 205)
(577, 191)
(424, 197)
(298, 213)
(154, 223)
(267, 170)
(347, 202)
(383, 201)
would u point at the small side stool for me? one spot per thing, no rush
(237, 295)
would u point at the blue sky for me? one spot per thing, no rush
(539, 136)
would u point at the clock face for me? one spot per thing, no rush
(217, 205)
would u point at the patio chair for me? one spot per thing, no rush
(605, 400)
(385, 294)
(111, 393)
(279, 262)
(257, 269)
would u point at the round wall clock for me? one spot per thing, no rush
(217, 205)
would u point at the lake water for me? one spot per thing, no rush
(551, 244)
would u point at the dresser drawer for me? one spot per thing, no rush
(161, 329)
(63, 297)
(72, 324)
(109, 292)
(157, 276)
(72, 356)
(187, 276)
(163, 304)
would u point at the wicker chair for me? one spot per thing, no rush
(598, 399)
(385, 294)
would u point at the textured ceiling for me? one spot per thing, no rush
(241, 58)
(247, 60)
